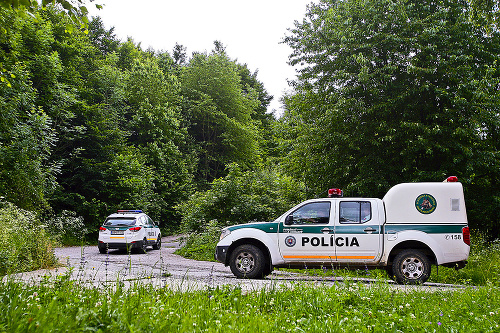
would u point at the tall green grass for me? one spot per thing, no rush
(65, 305)
(25, 243)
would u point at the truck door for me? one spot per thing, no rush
(306, 234)
(358, 234)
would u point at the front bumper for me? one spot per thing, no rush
(221, 254)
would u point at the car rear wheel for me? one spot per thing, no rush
(142, 246)
(157, 245)
(102, 248)
(411, 267)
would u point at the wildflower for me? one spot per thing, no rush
(492, 313)
(439, 323)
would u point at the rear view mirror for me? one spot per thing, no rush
(289, 220)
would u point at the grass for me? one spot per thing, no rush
(65, 305)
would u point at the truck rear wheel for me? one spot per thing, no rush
(247, 261)
(411, 267)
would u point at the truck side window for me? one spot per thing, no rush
(312, 213)
(355, 212)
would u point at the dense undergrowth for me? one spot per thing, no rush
(27, 240)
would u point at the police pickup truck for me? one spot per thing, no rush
(414, 226)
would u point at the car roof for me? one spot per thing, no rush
(127, 214)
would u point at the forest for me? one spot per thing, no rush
(386, 92)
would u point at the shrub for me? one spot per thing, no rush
(241, 197)
(25, 244)
(201, 245)
(67, 228)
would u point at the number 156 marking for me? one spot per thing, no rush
(453, 237)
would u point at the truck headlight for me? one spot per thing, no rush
(224, 233)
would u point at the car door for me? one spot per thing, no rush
(151, 230)
(306, 235)
(358, 233)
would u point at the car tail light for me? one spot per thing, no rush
(102, 229)
(135, 229)
(466, 235)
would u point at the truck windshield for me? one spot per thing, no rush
(119, 222)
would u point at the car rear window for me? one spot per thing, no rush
(119, 221)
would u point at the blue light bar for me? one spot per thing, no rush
(129, 211)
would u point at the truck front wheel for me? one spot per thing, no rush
(247, 261)
(411, 267)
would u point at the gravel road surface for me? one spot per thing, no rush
(164, 268)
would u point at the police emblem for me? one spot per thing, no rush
(425, 203)
(290, 241)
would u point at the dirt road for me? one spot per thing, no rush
(164, 268)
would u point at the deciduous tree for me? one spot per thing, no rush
(394, 91)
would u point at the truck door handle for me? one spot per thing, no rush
(369, 230)
(326, 230)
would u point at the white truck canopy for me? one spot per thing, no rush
(425, 203)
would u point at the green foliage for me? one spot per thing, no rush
(241, 197)
(26, 140)
(66, 228)
(200, 245)
(91, 124)
(219, 109)
(395, 91)
(25, 244)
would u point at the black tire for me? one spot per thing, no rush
(157, 245)
(142, 246)
(268, 269)
(390, 273)
(411, 267)
(102, 249)
(247, 261)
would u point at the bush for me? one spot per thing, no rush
(201, 245)
(25, 244)
(242, 197)
(67, 228)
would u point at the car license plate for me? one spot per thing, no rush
(117, 232)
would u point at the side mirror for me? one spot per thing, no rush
(289, 220)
